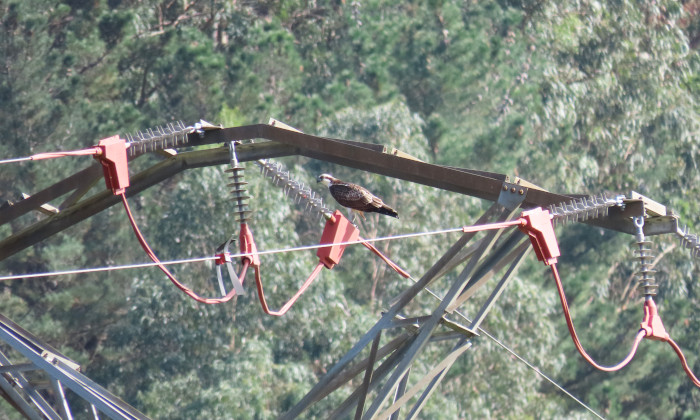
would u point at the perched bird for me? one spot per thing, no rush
(355, 197)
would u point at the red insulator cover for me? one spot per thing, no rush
(114, 162)
(338, 230)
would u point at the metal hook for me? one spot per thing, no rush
(639, 224)
(232, 153)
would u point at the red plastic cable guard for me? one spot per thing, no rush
(154, 258)
(386, 259)
(655, 331)
(572, 331)
(684, 362)
(283, 310)
(652, 328)
(115, 163)
(93, 151)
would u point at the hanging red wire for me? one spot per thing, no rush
(565, 306)
(537, 224)
(283, 310)
(93, 151)
(390, 263)
(684, 362)
(154, 258)
(338, 230)
(652, 328)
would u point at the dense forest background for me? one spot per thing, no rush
(577, 96)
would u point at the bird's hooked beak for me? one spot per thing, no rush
(325, 179)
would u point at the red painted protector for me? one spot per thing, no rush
(538, 226)
(248, 245)
(337, 230)
(652, 322)
(114, 163)
(222, 258)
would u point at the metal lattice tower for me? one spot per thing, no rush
(381, 361)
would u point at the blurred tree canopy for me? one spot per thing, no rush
(575, 96)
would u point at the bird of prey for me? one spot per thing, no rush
(355, 197)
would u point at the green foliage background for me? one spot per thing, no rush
(575, 96)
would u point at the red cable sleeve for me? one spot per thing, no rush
(391, 264)
(684, 362)
(51, 155)
(154, 258)
(493, 226)
(290, 302)
(465, 229)
(565, 306)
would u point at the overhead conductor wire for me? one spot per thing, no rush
(473, 228)
(106, 268)
(238, 255)
(51, 155)
(161, 264)
(521, 359)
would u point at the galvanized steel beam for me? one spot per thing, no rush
(60, 369)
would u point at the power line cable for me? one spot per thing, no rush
(310, 247)
(51, 155)
(521, 359)
(102, 269)
(202, 259)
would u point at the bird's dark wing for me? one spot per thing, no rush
(358, 198)
(351, 195)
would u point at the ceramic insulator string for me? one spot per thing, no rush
(295, 190)
(582, 209)
(167, 136)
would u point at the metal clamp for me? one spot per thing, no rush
(224, 258)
